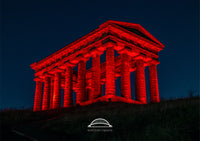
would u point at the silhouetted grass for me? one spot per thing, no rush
(168, 120)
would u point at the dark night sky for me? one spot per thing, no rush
(32, 30)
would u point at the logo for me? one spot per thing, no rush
(100, 125)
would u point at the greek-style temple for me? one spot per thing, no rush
(137, 48)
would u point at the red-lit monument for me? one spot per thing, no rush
(137, 49)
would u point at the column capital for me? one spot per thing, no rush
(109, 45)
(68, 69)
(139, 57)
(85, 59)
(77, 60)
(59, 70)
(96, 52)
(103, 47)
(120, 46)
(123, 51)
(37, 79)
(56, 69)
(143, 57)
(69, 64)
(154, 62)
(129, 51)
(47, 75)
(74, 61)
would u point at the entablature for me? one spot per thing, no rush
(87, 52)
(94, 42)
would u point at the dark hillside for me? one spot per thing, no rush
(167, 120)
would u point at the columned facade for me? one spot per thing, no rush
(137, 49)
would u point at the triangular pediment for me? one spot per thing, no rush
(135, 29)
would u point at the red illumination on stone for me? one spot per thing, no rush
(81, 93)
(140, 86)
(110, 72)
(57, 91)
(68, 87)
(96, 77)
(51, 94)
(154, 92)
(137, 49)
(38, 96)
(125, 76)
(46, 95)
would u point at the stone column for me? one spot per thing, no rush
(38, 95)
(110, 71)
(89, 86)
(154, 92)
(140, 85)
(96, 76)
(80, 95)
(46, 93)
(51, 94)
(125, 76)
(68, 101)
(57, 90)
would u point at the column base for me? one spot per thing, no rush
(111, 98)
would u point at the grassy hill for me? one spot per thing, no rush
(168, 120)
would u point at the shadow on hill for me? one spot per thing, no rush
(167, 120)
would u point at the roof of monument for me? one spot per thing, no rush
(136, 31)
(128, 32)
(134, 28)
